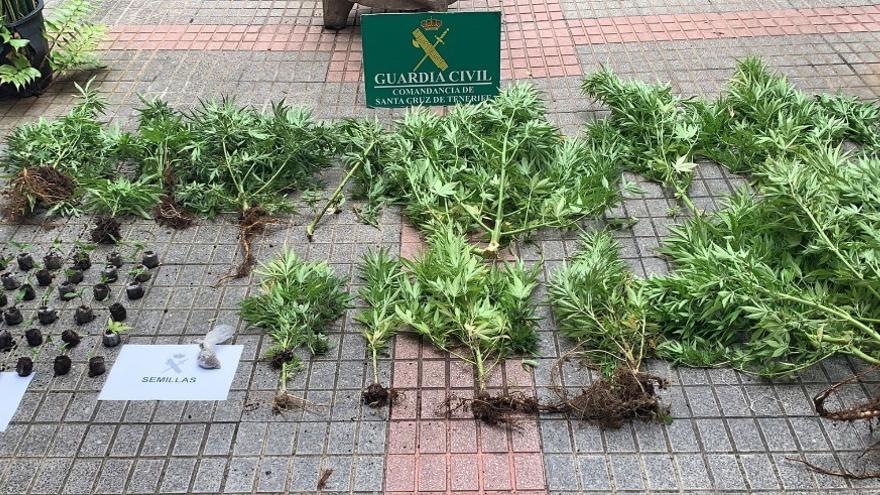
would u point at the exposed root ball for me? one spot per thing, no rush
(281, 357)
(252, 222)
(497, 410)
(377, 396)
(626, 395)
(285, 401)
(170, 214)
(43, 186)
(865, 410)
(106, 230)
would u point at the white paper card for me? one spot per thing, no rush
(169, 372)
(12, 388)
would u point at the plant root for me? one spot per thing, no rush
(864, 475)
(500, 410)
(627, 394)
(106, 230)
(865, 411)
(377, 396)
(325, 476)
(285, 401)
(44, 185)
(251, 222)
(170, 214)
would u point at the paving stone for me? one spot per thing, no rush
(210, 475)
(114, 474)
(241, 475)
(561, 471)
(82, 476)
(626, 472)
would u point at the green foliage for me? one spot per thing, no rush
(382, 292)
(454, 298)
(16, 69)
(297, 301)
(13, 10)
(499, 169)
(226, 157)
(599, 305)
(122, 196)
(72, 39)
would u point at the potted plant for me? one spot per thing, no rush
(6, 341)
(53, 260)
(117, 312)
(34, 337)
(44, 277)
(112, 335)
(70, 338)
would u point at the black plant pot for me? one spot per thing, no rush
(115, 259)
(12, 316)
(134, 291)
(150, 259)
(101, 291)
(34, 337)
(66, 291)
(96, 366)
(47, 315)
(75, 276)
(109, 274)
(83, 315)
(10, 281)
(53, 261)
(143, 275)
(61, 365)
(6, 341)
(81, 260)
(25, 262)
(24, 367)
(32, 28)
(118, 312)
(28, 293)
(111, 339)
(44, 277)
(71, 338)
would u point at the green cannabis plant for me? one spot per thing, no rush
(296, 303)
(382, 292)
(497, 170)
(600, 306)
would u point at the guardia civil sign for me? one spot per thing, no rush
(431, 58)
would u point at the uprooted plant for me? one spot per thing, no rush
(478, 312)
(497, 170)
(382, 292)
(603, 309)
(298, 300)
(222, 157)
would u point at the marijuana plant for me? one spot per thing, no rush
(298, 300)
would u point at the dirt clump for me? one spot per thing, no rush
(377, 396)
(170, 214)
(107, 230)
(37, 186)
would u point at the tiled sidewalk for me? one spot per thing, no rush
(731, 433)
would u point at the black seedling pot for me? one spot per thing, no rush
(143, 275)
(111, 339)
(6, 342)
(150, 259)
(71, 338)
(115, 259)
(81, 260)
(25, 262)
(3, 300)
(118, 312)
(109, 274)
(101, 291)
(10, 281)
(24, 367)
(75, 276)
(61, 365)
(47, 315)
(53, 261)
(134, 291)
(67, 291)
(28, 293)
(83, 315)
(96, 366)
(34, 337)
(44, 278)
(12, 316)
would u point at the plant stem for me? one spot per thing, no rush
(310, 230)
(375, 364)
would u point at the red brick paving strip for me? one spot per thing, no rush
(538, 42)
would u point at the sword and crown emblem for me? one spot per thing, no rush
(420, 40)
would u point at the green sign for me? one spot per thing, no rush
(431, 58)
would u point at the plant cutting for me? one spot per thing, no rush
(117, 312)
(101, 291)
(600, 306)
(140, 273)
(67, 290)
(382, 292)
(34, 337)
(497, 171)
(478, 312)
(7, 343)
(120, 197)
(297, 301)
(12, 316)
(47, 315)
(70, 338)
(27, 292)
(44, 277)
(24, 366)
(25, 262)
(97, 367)
(109, 274)
(61, 365)
(115, 259)
(150, 259)
(10, 281)
(113, 334)
(81, 258)
(53, 259)
(73, 276)
(134, 290)
(83, 315)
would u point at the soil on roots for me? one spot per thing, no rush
(43, 186)
(279, 358)
(865, 411)
(625, 395)
(284, 402)
(251, 222)
(377, 396)
(496, 410)
(170, 214)
(106, 230)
